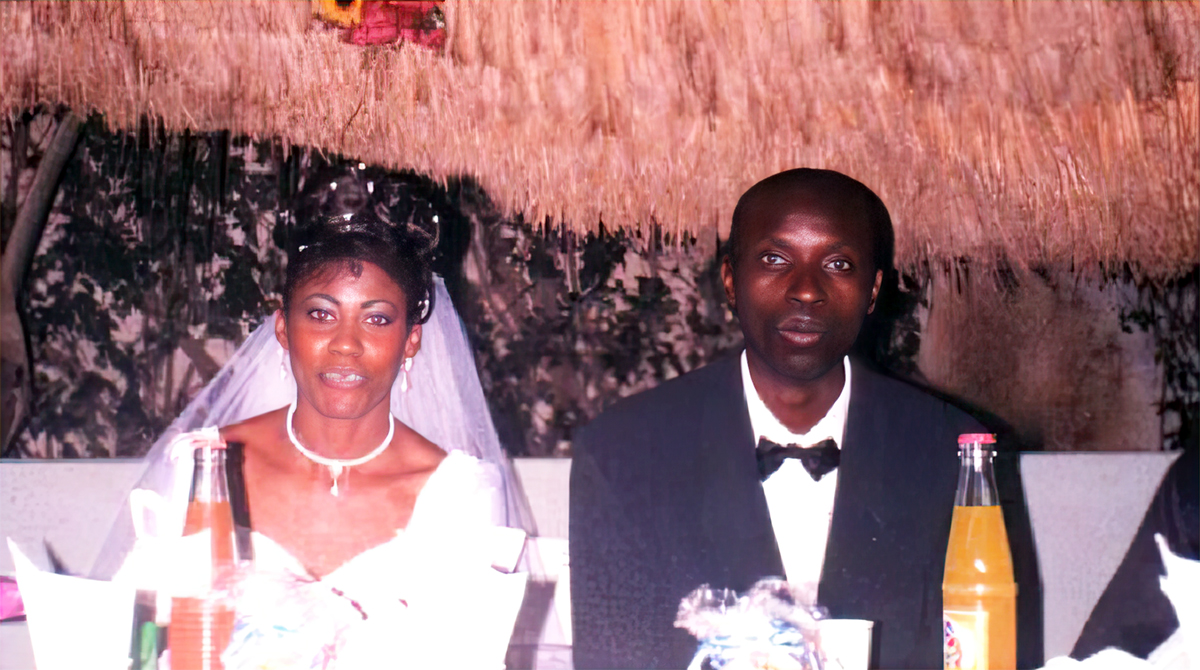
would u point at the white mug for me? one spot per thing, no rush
(846, 643)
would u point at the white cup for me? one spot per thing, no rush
(846, 643)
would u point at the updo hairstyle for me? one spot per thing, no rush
(345, 242)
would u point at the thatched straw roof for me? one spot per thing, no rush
(1041, 132)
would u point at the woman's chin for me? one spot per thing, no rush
(345, 409)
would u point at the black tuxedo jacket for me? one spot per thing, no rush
(665, 497)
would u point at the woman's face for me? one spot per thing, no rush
(347, 338)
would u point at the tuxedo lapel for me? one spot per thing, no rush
(891, 517)
(734, 511)
(855, 525)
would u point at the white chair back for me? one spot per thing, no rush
(1084, 508)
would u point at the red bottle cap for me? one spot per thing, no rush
(977, 438)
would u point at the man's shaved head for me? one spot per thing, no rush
(824, 190)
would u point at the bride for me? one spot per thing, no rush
(374, 481)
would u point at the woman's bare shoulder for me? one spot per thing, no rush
(420, 454)
(262, 429)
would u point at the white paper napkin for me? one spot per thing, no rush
(1181, 585)
(74, 622)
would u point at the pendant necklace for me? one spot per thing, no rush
(337, 465)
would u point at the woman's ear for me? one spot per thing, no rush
(412, 344)
(281, 329)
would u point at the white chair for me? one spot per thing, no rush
(542, 639)
(1085, 508)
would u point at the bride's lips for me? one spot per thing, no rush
(342, 378)
(800, 332)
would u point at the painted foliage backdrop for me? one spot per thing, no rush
(163, 251)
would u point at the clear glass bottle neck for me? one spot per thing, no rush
(976, 478)
(208, 477)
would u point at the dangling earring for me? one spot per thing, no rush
(283, 371)
(404, 375)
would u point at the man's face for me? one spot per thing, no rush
(804, 282)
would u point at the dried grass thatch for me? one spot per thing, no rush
(1035, 132)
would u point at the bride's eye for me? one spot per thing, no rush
(320, 315)
(378, 320)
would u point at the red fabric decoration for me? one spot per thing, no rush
(388, 21)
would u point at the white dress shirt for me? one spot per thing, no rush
(800, 508)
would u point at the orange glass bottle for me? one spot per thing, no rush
(201, 625)
(979, 596)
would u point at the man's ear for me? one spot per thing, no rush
(727, 280)
(875, 290)
(281, 329)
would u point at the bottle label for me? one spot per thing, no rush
(965, 640)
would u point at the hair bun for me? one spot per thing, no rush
(354, 189)
(424, 241)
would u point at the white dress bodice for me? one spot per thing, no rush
(438, 594)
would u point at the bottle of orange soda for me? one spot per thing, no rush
(979, 596)
(201, 625)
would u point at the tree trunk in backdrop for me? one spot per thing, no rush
(15, 370)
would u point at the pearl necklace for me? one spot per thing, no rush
(337, 465)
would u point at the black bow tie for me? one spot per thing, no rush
(819, 459)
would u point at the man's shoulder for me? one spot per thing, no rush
(675, 400)
(884, 394)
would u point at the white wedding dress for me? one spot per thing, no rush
(430, 597)
(437, 595)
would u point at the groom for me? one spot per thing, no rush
(666, 490)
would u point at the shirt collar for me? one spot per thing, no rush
(764, 423)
